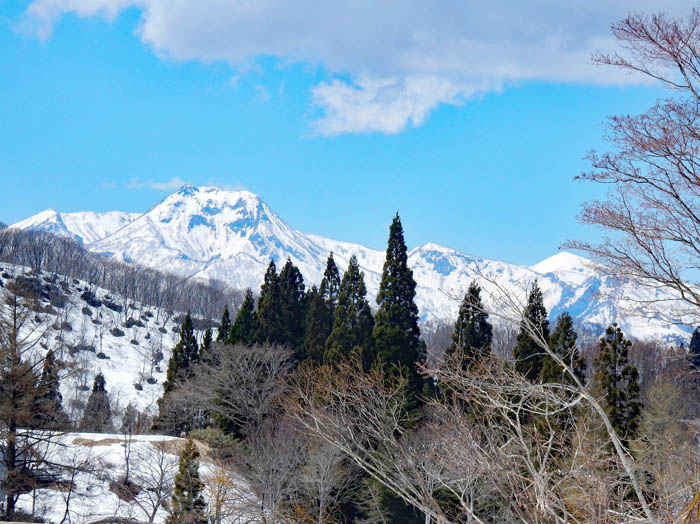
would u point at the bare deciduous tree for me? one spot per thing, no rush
(653, 206)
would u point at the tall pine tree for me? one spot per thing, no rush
(185, 353)
(398, 344)
(473, 333)
(204, 349)
(224, 327)
(617, 381)
(50, 413)
(320, 308)
(188, 506)
(318, 325)
(245, 326)
(292, 305)
(352, 319)
(528, 353)
(563, 343)
(396, 333)
(269, 313)
(330, 284)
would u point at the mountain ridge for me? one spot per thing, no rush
(207, 233)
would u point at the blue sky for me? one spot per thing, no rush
(108, 104)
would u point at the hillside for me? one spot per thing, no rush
(94, 330)
(95, 463)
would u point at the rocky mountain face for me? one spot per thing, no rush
(208, 233)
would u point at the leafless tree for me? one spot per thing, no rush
(241, 384)
(652, 210)
(154, 475)
(326, 479)
(275, 454)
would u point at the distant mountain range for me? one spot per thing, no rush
(208, 233)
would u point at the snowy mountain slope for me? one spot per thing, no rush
(93, 330)
(207, 233)
(85, 227)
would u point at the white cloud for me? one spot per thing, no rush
(167, 185)
(386, 105)
(399, 59)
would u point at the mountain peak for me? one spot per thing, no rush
(562, 261)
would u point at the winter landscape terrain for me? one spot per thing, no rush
(207, 233)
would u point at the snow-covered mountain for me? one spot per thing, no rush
(85, 226)
(208, 233)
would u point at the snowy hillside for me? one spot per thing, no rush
(97, 464)
(208, 233)
(93, 330)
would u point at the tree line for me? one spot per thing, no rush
(42, 251)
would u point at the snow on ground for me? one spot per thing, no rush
(92, 338)
(96, 464)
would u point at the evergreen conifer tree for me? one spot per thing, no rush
(245, 326)
(207, 339)
(330, 284)
(473, 333)
(617, 381)
(293, 305)
(188, 506)
(397, 342)
(563, 343)
(224, 327)
(318, 325)
(50, 414)
(528, 354)
(352, 319)
(694, 349)
(98, 414)
(185, 353)
(396, 333)
(269, 311)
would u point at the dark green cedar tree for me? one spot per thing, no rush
(617, 382)
(563, 343)
(224, 326)
(269, 312)
(245, 326)
(293, 305)
(528, 353)
(396, 333)
(188, 506)
(473, 334)
(352, 320)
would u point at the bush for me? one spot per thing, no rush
(113, 306)
(116, 332)
(131, 322)
(91, 299)
(87, 311)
